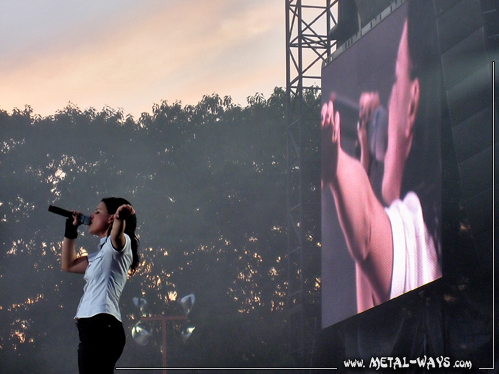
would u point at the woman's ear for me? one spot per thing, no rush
(413, 106)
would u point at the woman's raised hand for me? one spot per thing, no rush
(124, 211)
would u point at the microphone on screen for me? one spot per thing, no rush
(83, 219)
(377, 132)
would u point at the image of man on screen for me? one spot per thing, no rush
(394, 241)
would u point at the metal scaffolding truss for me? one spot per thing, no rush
(308, 45)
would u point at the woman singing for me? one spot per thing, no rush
(98, 317)
(395, 243)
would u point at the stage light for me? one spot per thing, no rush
(187, 302)
(141, 303)
(140, 334)
(186, 333)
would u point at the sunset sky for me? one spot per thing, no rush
(131, 54)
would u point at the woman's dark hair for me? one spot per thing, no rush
(423, 171)
(112, 205)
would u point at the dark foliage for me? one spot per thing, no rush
(208, 184)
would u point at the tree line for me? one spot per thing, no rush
(208, 182)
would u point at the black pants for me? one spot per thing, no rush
(102, 340)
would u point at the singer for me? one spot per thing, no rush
(98, 317)
(394, 241)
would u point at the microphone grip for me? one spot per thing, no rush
(84, 220)
(60, 211)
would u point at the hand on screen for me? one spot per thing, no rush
(368, 103)
(330, 141)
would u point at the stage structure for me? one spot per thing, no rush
(308, 45)
(313, 30)
(468, 32)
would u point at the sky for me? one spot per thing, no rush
(132, 54)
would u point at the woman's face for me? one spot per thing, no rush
(101, 221)
(400, 119)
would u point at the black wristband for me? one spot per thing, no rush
(71, 231)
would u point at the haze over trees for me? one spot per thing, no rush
(209, 187)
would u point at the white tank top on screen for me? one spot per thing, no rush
(415, 260)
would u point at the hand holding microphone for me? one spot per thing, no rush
(71, 231)
(82, 219)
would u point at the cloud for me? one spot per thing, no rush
(139, 55)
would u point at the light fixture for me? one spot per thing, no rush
(140, 334)
(187, 302)
(141, 303)
(186, 333)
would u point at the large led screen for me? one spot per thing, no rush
(381, 164)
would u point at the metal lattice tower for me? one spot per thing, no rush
(308, 44)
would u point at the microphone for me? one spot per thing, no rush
(377, 132)
(83, 220)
